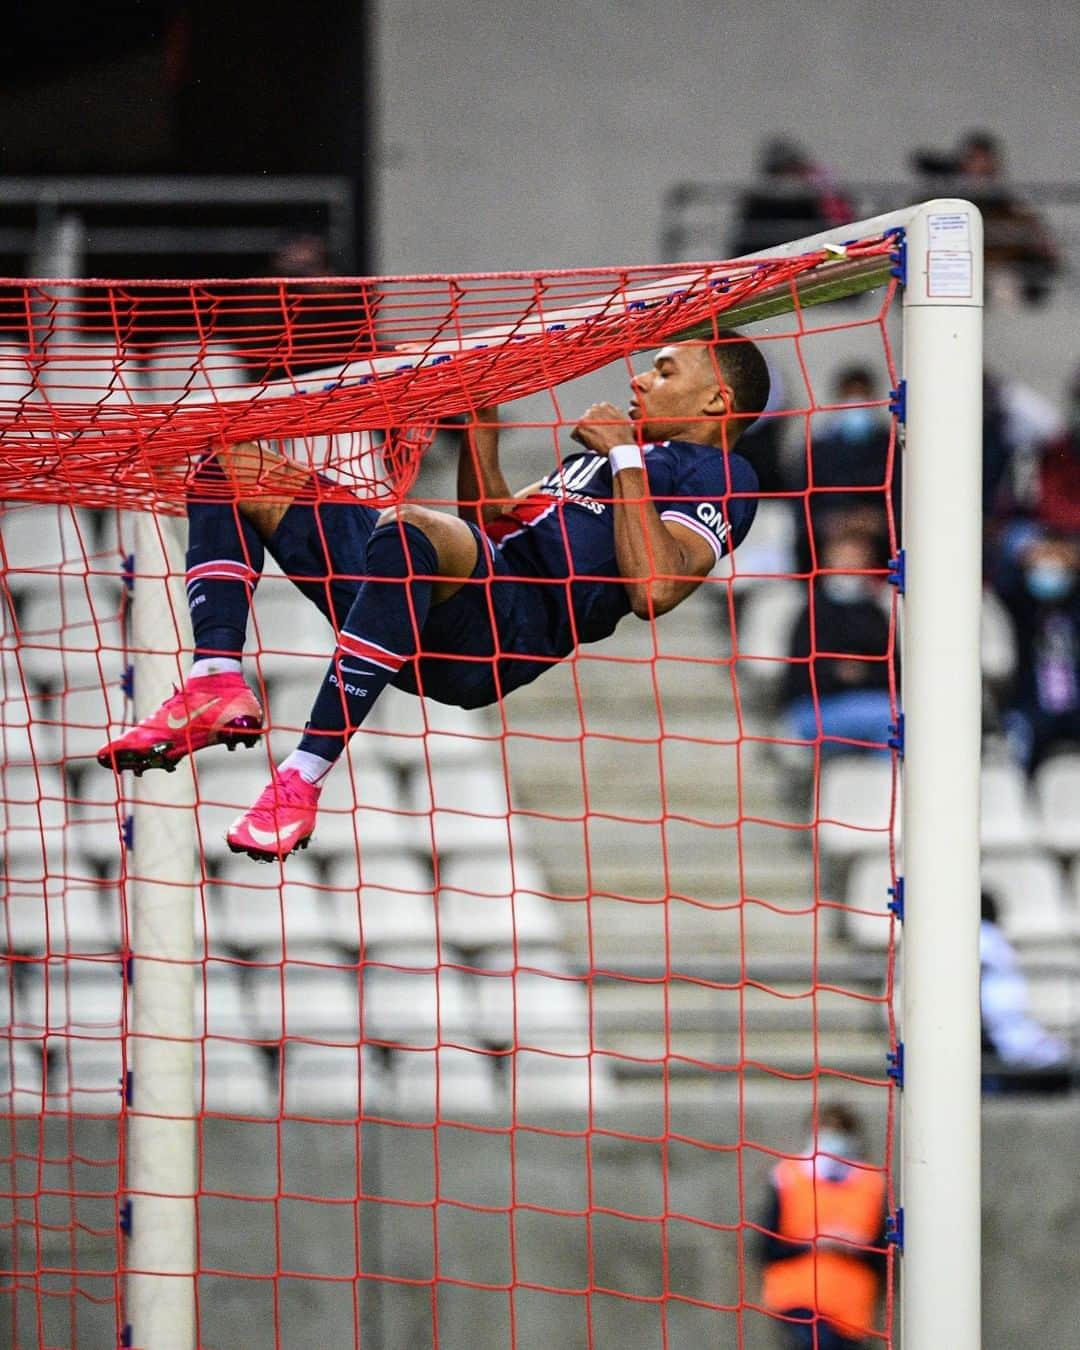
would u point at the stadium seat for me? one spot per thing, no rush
(1057, 799)
(21, 1079)
(391, 906)
(463, 809)
(361, 808)
(285, 624)
(37, 540)
(185, 370)
(1053, 998)
(33, 804)
(71, 633)
(407, 732)
(856, 802)
(541, 1008)
(998, 641)
(233, 1078)
(60, 916)
(1008, 818)
(1031, 897)
(763, 635)
(560, 1079)
(867, 920)
(338, 1081)
(314, 1001)
(484, 902)
(222, 1002)
(430, 1084)
(84, 718)
(17, 368)
(87, 371)
(28, 734)
(405, 1004)
(768, 550)
(272, 913)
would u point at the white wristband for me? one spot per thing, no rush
(625, 457)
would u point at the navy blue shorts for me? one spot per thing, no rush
(495, 634)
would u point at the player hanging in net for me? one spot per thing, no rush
(462, 610)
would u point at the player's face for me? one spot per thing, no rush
(679, 397)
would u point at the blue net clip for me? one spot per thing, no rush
(557, 328)
(720, 284)
(127, 831)
(897, 573)
(638, 306)
(333, 384)
(896, 903)
(127, 681)
(898, 402)
(405, 365)
(896, 735)
(125, 1220)
(129, 1087)
(127, 1337)
(898, 253)
(677, 295)
(440, 360)
(127, 571)
(894, 1228)
(365, 379)
(894, 1061)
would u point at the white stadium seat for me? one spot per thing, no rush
(407, 732)
(769, 549)
(186, 370)
(339, 1081)
(274, 913)
(450, 1080)
(391, 906)
(233, 1078)
(87, 371)
(856, 803)
(867, 918)
(21, 1078)
(1032, 899)
(1008, 818)
(763, 633)
(222, 1004)
(484, 902)
(61, 916)
(1057, 798)
(312, 1001)
(463, 808)
(540, 1008)
(17, 374)
(415, 1006)
(998, 641)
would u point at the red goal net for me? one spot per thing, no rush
(571, 994)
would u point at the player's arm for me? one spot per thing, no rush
(482, 490)
(661, 563)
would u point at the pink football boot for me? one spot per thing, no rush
(208, 710)
(280, 822)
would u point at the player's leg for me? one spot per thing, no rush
(224, 562)
(239, 496)
(415, 558)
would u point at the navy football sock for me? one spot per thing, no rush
(380, 633)
(224, 562)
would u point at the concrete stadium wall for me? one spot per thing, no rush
(1032, 1232)
(517, 135)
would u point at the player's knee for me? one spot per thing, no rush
(425, 520)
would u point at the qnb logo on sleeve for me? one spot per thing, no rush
(713, 517)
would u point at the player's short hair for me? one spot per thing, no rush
(744, 371)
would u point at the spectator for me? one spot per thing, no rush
(822, 1244)
(842, 697)
(1020, 253)
(849, 467)
(1057, 490)
(1017, 422)
(795, 197)
(1010, 1035)
(1037, 574)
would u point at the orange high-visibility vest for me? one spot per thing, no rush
(843, 1289)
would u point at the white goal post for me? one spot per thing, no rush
(940, 247)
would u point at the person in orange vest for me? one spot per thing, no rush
(823, 1245)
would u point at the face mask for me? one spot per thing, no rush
(839, 1143)
(1049, 580)
(856, 424)
(847, 590)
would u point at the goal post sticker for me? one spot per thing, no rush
(948, 261)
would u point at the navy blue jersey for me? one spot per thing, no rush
(566, 528)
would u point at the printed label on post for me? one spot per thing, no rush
(948, 274)
(950, 230)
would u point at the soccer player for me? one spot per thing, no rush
(461, 609)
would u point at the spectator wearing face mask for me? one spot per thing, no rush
(836, 682)
(851, 467)
(822, 1240)
(1037, 576)
(1010, 1035)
